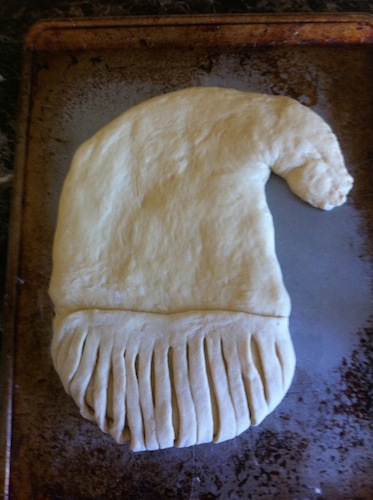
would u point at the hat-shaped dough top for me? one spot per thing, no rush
(166, 205)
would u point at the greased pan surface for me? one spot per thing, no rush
(77, 77)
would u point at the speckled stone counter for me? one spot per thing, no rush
(264, 458)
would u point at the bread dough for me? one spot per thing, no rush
(171, 322)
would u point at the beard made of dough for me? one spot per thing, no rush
(171, 316)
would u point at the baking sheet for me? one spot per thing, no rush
(77, 77)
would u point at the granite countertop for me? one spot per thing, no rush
(16, 18)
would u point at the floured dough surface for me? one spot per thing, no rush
(168, 294)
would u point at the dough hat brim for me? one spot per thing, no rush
(163, 380)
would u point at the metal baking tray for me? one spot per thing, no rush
(80, 74)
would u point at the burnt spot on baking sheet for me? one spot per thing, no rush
(73, 60)
(96, 59)
(208, 62)
(355, 395)
(295, 78)
(245, 56)
(274, 455)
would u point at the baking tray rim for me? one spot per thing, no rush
(364, 21)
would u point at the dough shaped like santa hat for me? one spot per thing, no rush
(171, 323)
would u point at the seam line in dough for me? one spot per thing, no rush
(187, 311)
